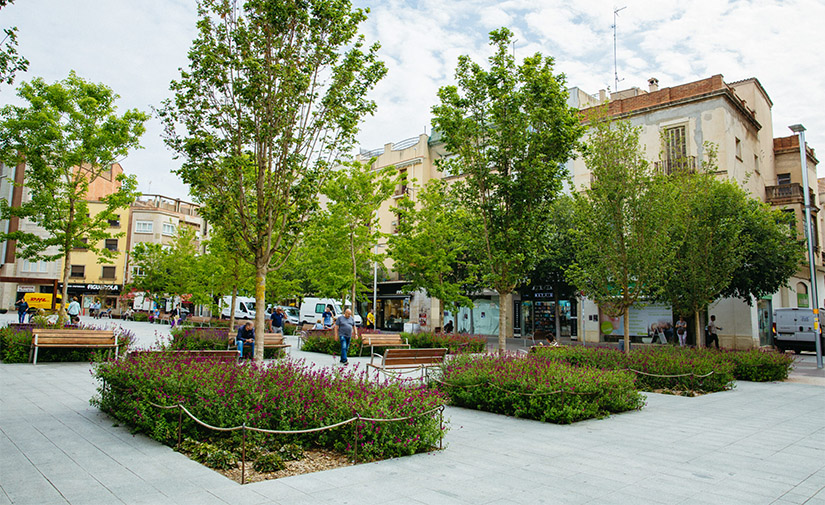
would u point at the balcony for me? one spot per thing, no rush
(688, 163)
(785, 194)
(401, 191)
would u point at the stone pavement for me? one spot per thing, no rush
(758, 443)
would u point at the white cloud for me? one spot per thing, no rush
(136, 48)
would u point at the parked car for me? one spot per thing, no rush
(293, 315)
(312, 309)
(793, 329)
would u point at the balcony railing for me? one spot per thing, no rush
(688, 163)
(787, 193)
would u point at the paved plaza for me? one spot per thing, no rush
(757, 443)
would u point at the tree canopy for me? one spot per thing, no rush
(273, 93)
(68, 135)
(510, 131)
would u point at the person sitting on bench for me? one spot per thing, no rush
(246, 336)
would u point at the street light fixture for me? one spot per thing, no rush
(800, 131)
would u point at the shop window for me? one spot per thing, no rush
(108, 273)
(144, 227)
(78, 271)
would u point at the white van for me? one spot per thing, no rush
(793, 329)
(244, 307)
(312, 309)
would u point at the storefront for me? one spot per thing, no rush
(393, 307)
(538, 312)
(107, 294)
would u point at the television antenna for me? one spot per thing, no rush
(615, 64)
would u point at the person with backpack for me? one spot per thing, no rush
(22, 308)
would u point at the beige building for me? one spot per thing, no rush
(678, 124)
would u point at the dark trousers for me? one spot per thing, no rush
(713, 337)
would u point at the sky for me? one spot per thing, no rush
(137, 48)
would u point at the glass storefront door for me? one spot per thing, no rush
(765, 315)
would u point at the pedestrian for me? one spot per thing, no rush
(73, 310)
(22, 307)
(319, 325)
(448, 328)
(711, 332)
(370, 320)
(278, 320)
(344, 327)
(245, 336)
(681, 331)
(93, 309)
(329, 313)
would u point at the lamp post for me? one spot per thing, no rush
(375, 284)
(800, 131)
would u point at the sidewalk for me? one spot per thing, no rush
(758, 443)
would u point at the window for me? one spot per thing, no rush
(34, 266)
(78, 271)
(137, 271)
(168, 229)
(111, 244)
(81, 247)
(738, 149)
(108, 273)
(143, 226)
(115, 222)
(756, 163)
(675, 151)
(792, 222)
(783, 179)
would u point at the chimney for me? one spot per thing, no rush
(653, 84)
(602, 96)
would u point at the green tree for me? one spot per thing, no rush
(274, 91)
(10, 61)
(511, 132)
(431, 249)
(621, 234)
(68, 135)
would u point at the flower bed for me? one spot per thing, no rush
(536, 388)
(188, 338)
(283, 396)
(680, 369)
(16, 341)
(454, 342)
(324, 341)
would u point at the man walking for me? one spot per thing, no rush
(73, 310)
(344, 326)
(22, 308)
(712, 335)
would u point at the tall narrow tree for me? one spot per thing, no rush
(273, 93)
(622, 246)
(68, 135)
(511, 132)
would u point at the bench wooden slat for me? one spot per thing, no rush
(409, 358)
(49, 337)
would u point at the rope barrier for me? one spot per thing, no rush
(488, 383)
(669, 376)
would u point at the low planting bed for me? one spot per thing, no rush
(190, 338)
(324, 341)
(16, 343)
(285, 396)
(533, 387)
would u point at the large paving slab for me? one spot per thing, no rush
(758, 443)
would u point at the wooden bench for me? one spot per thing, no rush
(399, 359)
(199, 320)
(306, 329)
(194, 355)
(374, 340)
(271, 341)
(96, 339)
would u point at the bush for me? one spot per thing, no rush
(454, 342)
(671, 368)
(187, 338)
(759, 365)
(270, 462)
(281, 396)
(536, 388)
(324, 341)
(141, 317)
(209, 454)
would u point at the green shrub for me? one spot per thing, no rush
(324, 341)
(291, 452)
(536, 388)
(209, 454)
(454, 342)
(271, 462)
(759, 365)
(281, 396)
(15, 345)
(141, 317)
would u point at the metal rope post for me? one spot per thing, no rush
(243, 453)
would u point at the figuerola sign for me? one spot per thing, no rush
(96, 287)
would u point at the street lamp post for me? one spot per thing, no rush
(375, 284)
(800, 131)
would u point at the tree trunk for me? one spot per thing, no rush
(260, 309)
(233, 301)
(626, 327)
(502, 320)
(67, 267)
(700, 335)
